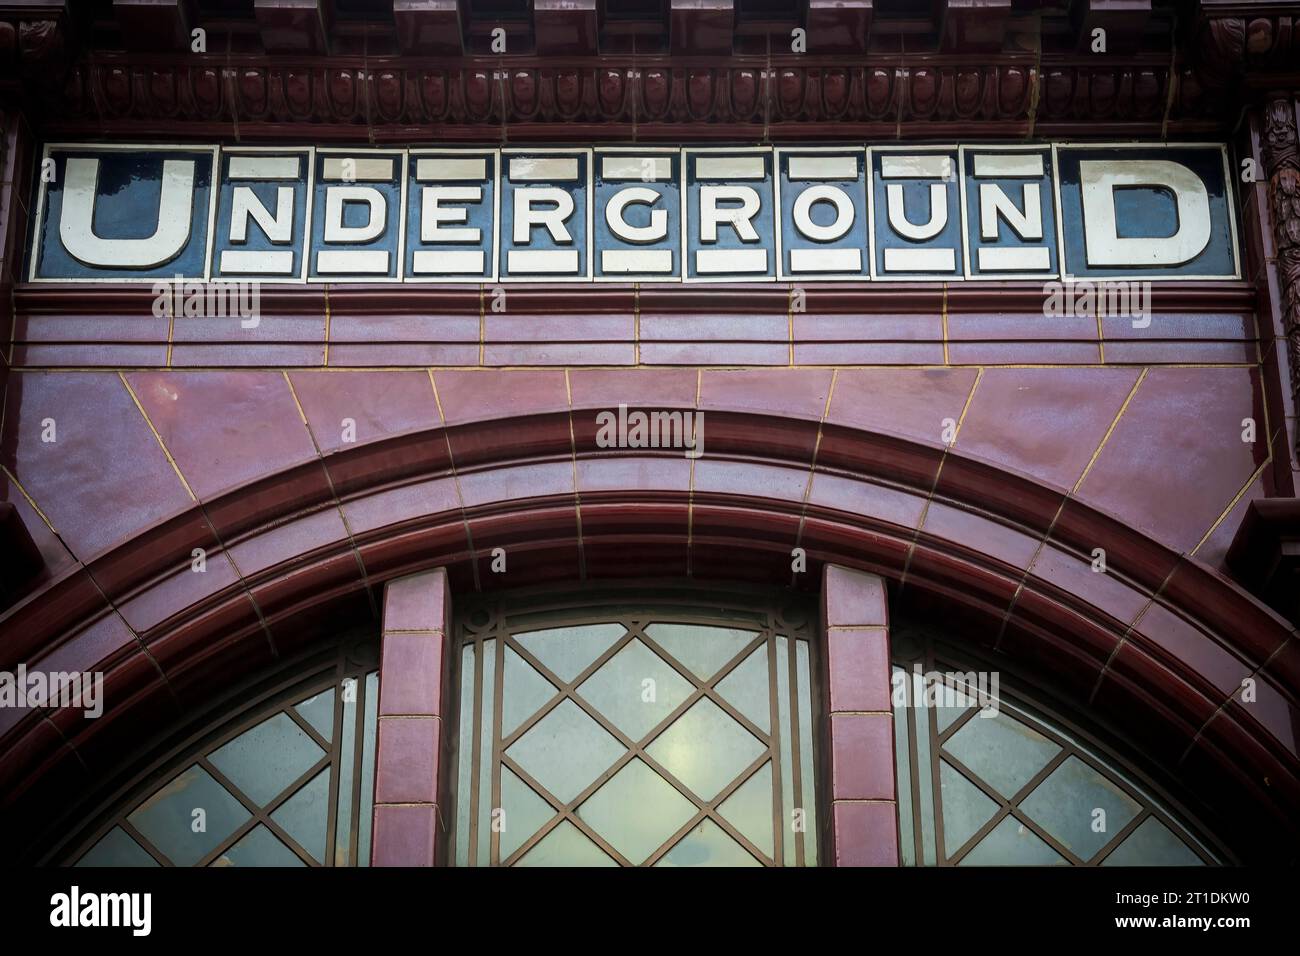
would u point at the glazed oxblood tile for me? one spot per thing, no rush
(1043, 422)
(420, 602)
(1045, 613)
(1019, 327)
(1214, 326)
(1213, 551)
(404, 355)
(339, 569)
(411, 674)
(252, 355)
(388, 460)
(715, 353)
(908, 403)
(406, 766)
(1074, 578)
(1145, 561)
(94, 648)
(872, 353)
(778, 529)
(1217, 777)
(831, 540)
(421, 500)
(1030, 503)
(729, 560)
(348, 409)
(1284, 666)
(295, 539)
(1172, 353)
(131, 674)
(560, 354)
(467, 397)
(96, 328)
(545, 525)
(993, 584)
(1228, 734)
(635, 520)
(70, 598)
(169, 545)
(444, 543)
(1145, 674)
(54, 555)
(179, 591)
(37, 742)
(862, 757)
(296, 488)
(1259, 630)
(530, 565)
(980, 534)
(866, 834)
(516, 327)
(786, 393)
(869, 501)
(714, 328)
(645, 475)
(858, 661)
(99, 355)
(1193, 652)
(224, 429)
(1191, 416)
(879, 456)
(175, 644)
(634, 559)
(1161, 731)
(1271, 708)
(404, 835)
(849, 329)
(725, 480)
(853, 599)
(237, 332)
(665, 388)
(1074, 667)
(95, 500)
(537, 480)
(1011, 353)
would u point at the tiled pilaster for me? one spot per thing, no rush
(864, 817)
(412, 670)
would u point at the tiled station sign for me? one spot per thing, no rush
(128, 212)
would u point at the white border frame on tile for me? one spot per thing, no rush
(506, 152)
(647, 150)
(400, 154)
(493, 251)
(301, 279)
(1054, 199)
(34, 238)
(686, 206)
(956, 276)
(868, 250)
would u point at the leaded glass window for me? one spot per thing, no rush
(655, 736)
(987, 779)
(288, 782)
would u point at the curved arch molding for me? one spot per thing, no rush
(300, 527)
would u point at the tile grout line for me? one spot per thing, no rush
(225, 552)
(812, 468)
(338, 505)
(1060, 509)
(455, 477)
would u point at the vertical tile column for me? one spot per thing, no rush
(864, 812)
(412, 671)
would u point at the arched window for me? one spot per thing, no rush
(985, 777)
(287, 780)
(663, 734)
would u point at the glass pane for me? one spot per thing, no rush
(618, 690)
(305, 815)
(116, 848)
(808, 797)
(965, 808)
(258, 847)
(924, 770)
(566, 846)
(1011, 843)
(702, 649)
(565, 751)
(903, 755)
(347, 764)
(368, 769)
(266, 759)
(465, 755)
(1001, 750)
(525, 813)
(524, 693)
(747, 689)
(705, 749)
(567, 651)
(636, 811)
(788, 849)
(1066, 805)
(319, 712)
(1152, 844)
(167, 819)
(707, 845)
(749, 810)
(486, 718)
